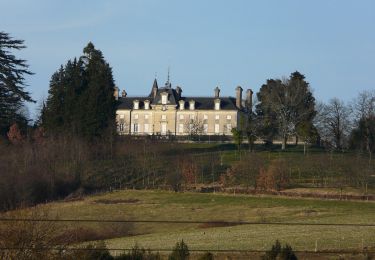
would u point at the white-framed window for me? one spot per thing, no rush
(146, 116)
(163, 117)
(136, 116)
(164, 99)
(217, 128)
(229, 117)
(121, 127)
(217, 117)
(147, 104)
(163, 128)
(181, 128)
(136, 104)
(205, 128)
(229, 128)
(181, 117)
(135, 128)
(205, 117)
(146, 130)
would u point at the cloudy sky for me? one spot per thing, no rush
(205, 43)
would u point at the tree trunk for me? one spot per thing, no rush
(283, 145)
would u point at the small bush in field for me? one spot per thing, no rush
(139, 253)
(207, 256)
(180, 251)
(280, 253)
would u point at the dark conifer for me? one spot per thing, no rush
(12, 83)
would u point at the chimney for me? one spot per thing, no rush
(217, 92)
(123, 93)
(116, 92)
(178, 91)
(249, 99)
(239, 97)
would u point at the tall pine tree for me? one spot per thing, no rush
(81, 101)
(12, 83)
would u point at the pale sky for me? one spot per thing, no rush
(205, 43)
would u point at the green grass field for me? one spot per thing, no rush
(164, 205)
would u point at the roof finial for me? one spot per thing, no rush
(168, 74)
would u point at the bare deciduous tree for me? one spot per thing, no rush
(333, 123)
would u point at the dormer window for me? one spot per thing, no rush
(191, 104)
(182, 104)
(164, 98)
(136, 104)
(147, 104)
(217, 104)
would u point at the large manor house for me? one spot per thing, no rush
(166, 111)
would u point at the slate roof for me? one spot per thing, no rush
(201, 103)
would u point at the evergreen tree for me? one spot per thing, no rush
(81, 101)
(98, 102)
(12, 83)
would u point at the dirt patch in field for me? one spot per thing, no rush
(217, 224)
(117, 201)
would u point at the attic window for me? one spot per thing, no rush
(164, 97)
(147, 104)
(192, 105)
(217, 104)
(136, 104)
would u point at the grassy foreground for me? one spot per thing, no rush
(164, 205)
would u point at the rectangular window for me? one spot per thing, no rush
(164, 99)
(135, 128)
(229, 128)
(205, 128)
(217, 129)
(146, 128)
(181, 128)
(163, 129)
(217, 117)
(229, 117)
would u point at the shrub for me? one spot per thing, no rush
(280, 253)
(138, 253)
(207, 256)
(180, 251)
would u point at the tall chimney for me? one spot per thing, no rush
(116, 92)
(238, 97)
(217, 92)
(179, 91)
(249, 100)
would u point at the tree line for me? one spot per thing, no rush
(81, 103)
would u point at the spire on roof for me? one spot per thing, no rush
(155, 85)
(168, 83)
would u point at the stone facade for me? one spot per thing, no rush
(165, 111)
